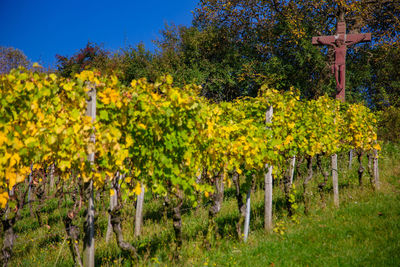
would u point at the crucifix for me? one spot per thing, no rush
(340, 42)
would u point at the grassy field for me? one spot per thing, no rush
(364, 231)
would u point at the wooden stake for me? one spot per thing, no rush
(88, 244)
(350, 157)
(376, 170)
(335, 180)
(139, 211)
(113, 204)
(291, 169)
(268, 185)
(247, 218)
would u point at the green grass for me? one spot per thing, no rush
(364, 231)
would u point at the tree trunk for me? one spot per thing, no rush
(361, 167)
(306, 193)
(113, 204)
(322, 185)
(177, 223)
(40, 194)
(30, 192)
(217, 198)
(139, 211)
(370, 169)
(116, 224)
(9, 235)
(8, 240)
(335, 181)
(73, 237)
(241, 206)
(288, 181)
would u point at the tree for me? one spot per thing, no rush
(11, 58)
(92, 56)
(207, 57)
(137, 62)
(274, 37)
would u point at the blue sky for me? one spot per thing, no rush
(42, 28)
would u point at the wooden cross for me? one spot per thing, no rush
(340, 42)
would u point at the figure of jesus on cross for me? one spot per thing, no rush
(340, 42)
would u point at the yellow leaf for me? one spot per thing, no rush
(14, 159)
(138, 189)
(114, 80)
(129, 141)
(68, 86)
(53, 76)
(85, 177)
(52, 139)
(377, 147)
(3, 199)
(155, 96)
(112, 192)
(288, 139)
(12, 178)
(141, 125)
(64, 164)
(169, 79)
(34, 106)
(59, 129)
(76, 128)
(25, 170)
(29, 86)
(19, 178)
(118, 104)
(97, 176)
(3, 138)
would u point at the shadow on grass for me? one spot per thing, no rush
(157, 214)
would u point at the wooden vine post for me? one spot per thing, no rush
(292, 166)
(335, 180)
(339, 42)
(113, 205)
(268, 184)
(139, 210)
(376, 170)
(88, 243)
(247, 217)
(350, 158)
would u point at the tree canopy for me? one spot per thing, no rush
(11, 58)
(235, 46)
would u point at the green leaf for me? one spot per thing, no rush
(75, 114)
(104, 115)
